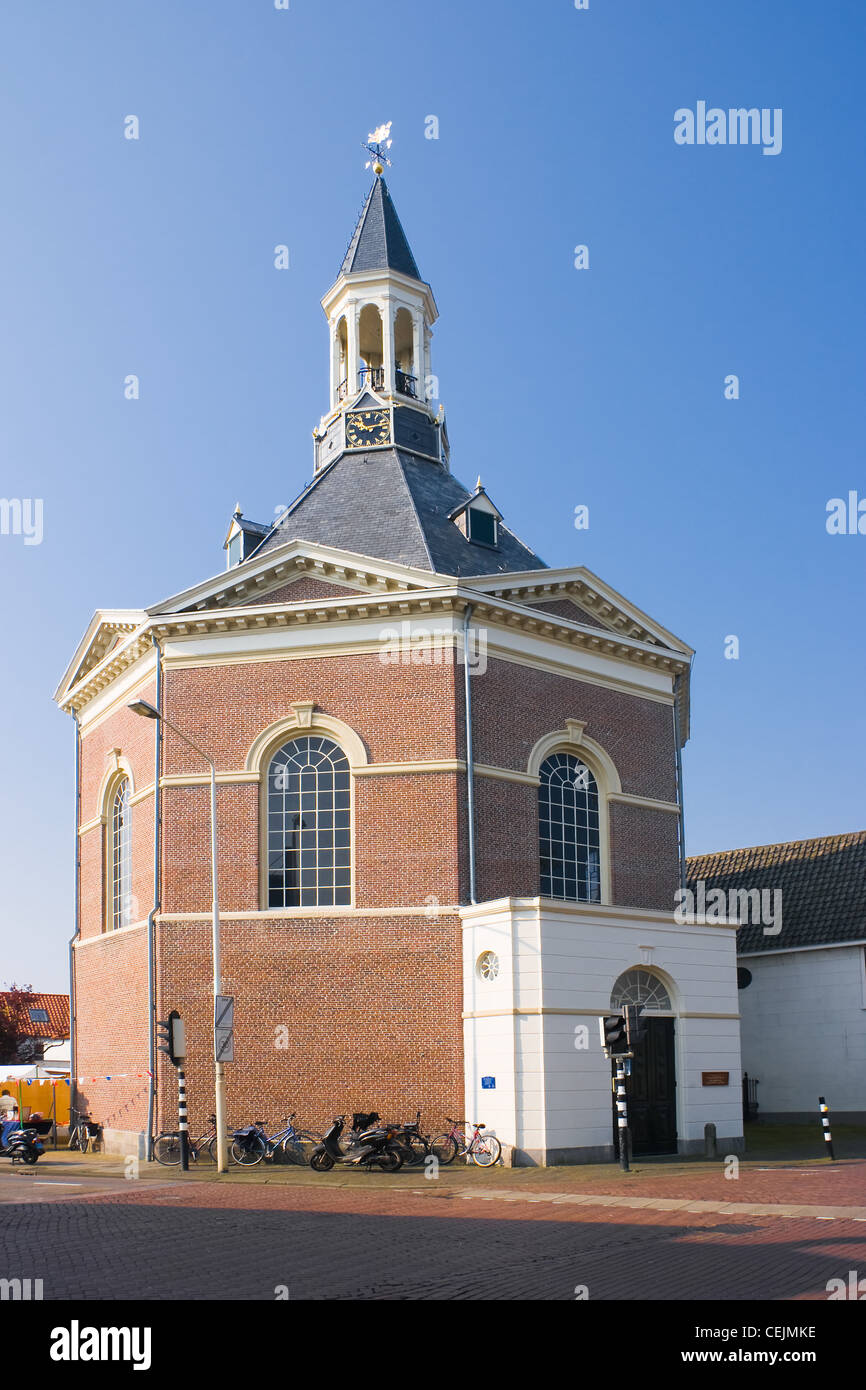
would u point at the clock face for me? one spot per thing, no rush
(367, 427)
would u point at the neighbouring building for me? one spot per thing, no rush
(803, 986)
(448, 802)
(42, 1023)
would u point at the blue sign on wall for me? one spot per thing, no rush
(488, 1083)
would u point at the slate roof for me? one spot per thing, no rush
(823, 885)
(55, 1005)
(391, 505)
(379, 242)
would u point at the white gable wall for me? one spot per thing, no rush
(804, 1031)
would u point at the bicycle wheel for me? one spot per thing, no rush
(248, 1153)
(166, 1150)
(486, 1150)
(212, 1149)
(390, 1160)
(298, 1147)
(444, 1148)
(201, 1151)
(417, 1148)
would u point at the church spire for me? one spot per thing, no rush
(379, 242)
(380, 318)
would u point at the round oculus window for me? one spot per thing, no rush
(487, 965)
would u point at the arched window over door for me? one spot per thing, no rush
(640, 987)
(308, 825)
(120, 856)
(568, 830)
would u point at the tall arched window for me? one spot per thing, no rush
(120, 856)
(568, 830)
(309, 849)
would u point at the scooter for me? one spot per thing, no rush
(23, 1146)
(368, 1144)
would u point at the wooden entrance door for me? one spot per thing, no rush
(651, 1092)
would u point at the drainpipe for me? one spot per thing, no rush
(679, 752)
(73, 1016)
(151, 924)
(470, 764)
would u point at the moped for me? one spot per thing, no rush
(368, 1143)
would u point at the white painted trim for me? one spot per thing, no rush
(109, 935)
(277, 914)
(646, 803)
(794, 950)
(305, 720)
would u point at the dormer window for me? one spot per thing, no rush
(478, 519)
(243, 538)
(482, 526)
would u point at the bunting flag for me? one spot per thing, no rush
(115, 1076)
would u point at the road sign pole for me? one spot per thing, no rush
(182, 1121)
(622, 1114)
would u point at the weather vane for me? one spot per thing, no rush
(378, 141)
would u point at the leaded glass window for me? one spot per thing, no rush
(309, 840)
(640, 987)
(568, 830)
(121, 857)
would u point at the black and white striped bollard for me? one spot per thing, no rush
(622, 1114)
(182, 1122)
(825, 1121)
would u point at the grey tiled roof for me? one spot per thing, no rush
(391, 505)
(823, 885)
(379, 242)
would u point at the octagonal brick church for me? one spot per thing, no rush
(448, 805)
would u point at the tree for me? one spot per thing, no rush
(16, 1046)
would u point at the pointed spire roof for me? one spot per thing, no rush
(379, 242)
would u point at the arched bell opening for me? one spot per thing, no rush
(405, 366)
(372, 366)
(341, 359)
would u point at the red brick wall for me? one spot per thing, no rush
(299, 591)
(402, 712)
(644, 856)
(134, 737)
(567, 608)
(514, 706)
(371, 1007)
(112, 1029)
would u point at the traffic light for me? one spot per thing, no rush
(170, 1037)
(635, 1025)
(613, 1035)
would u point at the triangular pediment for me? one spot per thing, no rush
(273, 577)
(368, 400)
(595, 602)
(107, 631)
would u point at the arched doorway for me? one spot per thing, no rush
(651, 1087)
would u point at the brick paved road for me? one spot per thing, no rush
(200, 1239)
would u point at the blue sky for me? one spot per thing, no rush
(602, 387)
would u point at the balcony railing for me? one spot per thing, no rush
(374, 377)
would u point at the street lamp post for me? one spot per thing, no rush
(148, 711)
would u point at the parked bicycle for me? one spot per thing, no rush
(203, 1150)
(252, 1143)
(483, 1149)
(414, 1145)
(84, 1132)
